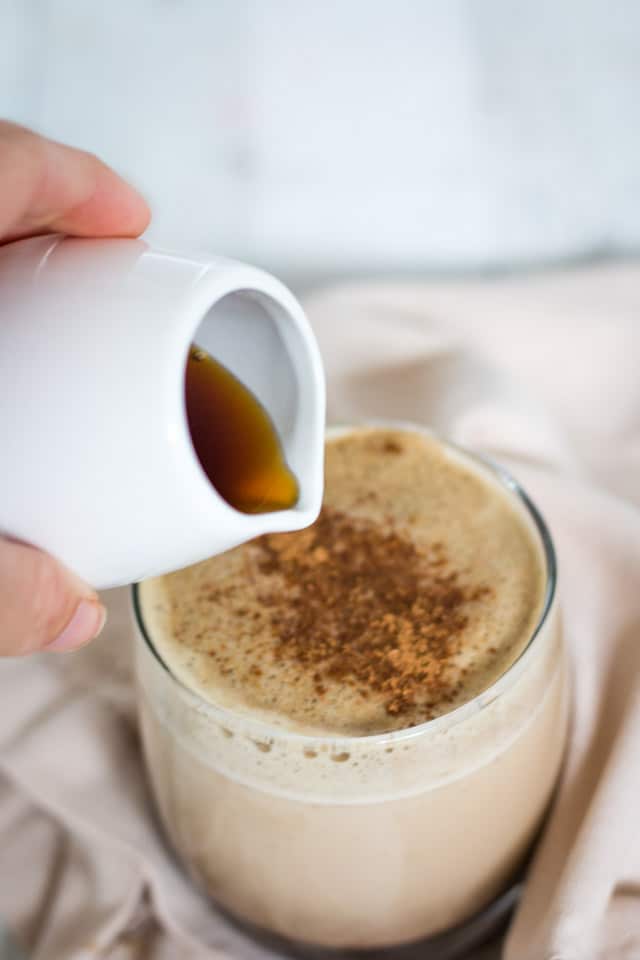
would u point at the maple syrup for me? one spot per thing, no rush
(235, 439)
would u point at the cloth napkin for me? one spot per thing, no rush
(542, 373)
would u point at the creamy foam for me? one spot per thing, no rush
(213, 623)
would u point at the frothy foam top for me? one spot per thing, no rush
(417, 588)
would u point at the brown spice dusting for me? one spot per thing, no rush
(367, 608)
(392, 446)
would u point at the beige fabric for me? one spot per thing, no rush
(543, 373)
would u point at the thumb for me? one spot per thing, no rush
(43, 606)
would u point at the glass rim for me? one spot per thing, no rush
(271, 731)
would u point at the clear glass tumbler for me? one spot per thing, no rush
(370, 841)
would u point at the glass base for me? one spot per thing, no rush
(454, 944)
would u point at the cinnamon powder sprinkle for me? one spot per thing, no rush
(368, 608)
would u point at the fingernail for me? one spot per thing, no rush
(86, 623)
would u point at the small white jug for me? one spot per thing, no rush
(97, 464)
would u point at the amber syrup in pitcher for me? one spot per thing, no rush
(235, 439)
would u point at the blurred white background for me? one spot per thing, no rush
(349, 137)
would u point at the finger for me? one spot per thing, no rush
(43, 606)
(48, 187)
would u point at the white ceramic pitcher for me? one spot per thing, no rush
(96, 460)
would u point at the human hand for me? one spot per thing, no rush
(49, 188)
